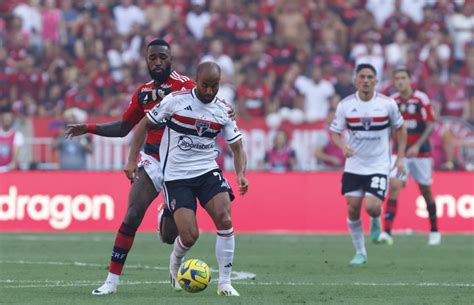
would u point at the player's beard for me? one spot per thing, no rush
(160, 77)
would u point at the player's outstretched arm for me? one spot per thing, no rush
(137, 143)
(240, 164)
(113, 129)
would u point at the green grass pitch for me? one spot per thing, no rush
(289, 269)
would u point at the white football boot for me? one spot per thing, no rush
(107, 288)
(385, 238)
(227, 290)
(434, 239)
(175, 263)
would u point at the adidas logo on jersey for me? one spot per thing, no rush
(354, 110)
(188, 108)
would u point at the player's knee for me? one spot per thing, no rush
(374, 211)
(223, 221)
(189, 238)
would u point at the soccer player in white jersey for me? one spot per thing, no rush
(194, 118)
(416, 109)
(369, 116)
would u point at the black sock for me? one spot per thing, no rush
(432, 215)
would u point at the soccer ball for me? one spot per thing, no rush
(194, 275)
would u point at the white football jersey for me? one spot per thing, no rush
(369, 124)
(187, 148)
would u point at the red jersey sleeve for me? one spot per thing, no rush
(134, 112)
(426, 109)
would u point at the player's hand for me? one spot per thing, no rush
(131, 170)
(243, 184)
(73, 130)
(413, 151)
(231, 113)
(400, 166)
(347, 150)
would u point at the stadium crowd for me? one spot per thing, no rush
(282, 60)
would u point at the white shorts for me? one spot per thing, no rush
(153, 169)
(421, 169)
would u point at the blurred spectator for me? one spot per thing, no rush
(283, 54)
(126, 14)
(198, 18)
(250, 27)
(396, 52)
(11, 141)
(396, 21)
(73, 151)
(461, 27)
(158, 15)
(253, 96)
(455, 97)
(327, 153)
(52, 22)
(291, 24)
(318, 95)
(216, 54)
(370, 52)
(30, 16)
(281, 157)
(259, 59)
(83, 96)
(344, 85)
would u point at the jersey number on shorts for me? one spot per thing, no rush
(378, 183)
(217, 174)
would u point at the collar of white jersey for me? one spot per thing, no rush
(193, 93)
(361, 100)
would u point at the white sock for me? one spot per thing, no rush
(357, 235)
(225, 245)
(113, 278)
(179, 250)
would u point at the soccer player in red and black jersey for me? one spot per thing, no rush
(419, 117)
(147, 183)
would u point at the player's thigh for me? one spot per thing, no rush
(422, 170)
(219, 210)
(142, 192)
(153, 169)
(187, 226)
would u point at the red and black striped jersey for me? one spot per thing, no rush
(417, 113)
(146, 97)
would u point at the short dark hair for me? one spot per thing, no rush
(402, 69)
(365, 66)
(158, 42)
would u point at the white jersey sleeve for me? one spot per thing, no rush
(395, 116)
(231, 132)
(339, 122)
(163, 110)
